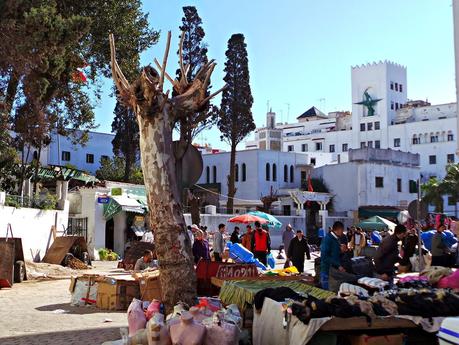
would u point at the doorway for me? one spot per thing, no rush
(110, 234)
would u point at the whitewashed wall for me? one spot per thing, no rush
(33, 226)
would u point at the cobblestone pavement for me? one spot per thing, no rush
(27, 317)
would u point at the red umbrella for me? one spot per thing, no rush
(247, 218)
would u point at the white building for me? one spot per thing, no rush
(382, 117)
(85, 157)
(371, 177)
(258, 173)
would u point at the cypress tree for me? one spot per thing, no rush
(236, 120)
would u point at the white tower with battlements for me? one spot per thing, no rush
(379, 89)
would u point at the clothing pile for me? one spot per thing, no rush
(427, 303)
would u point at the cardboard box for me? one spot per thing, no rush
(150, 288)
(116, 294)
(392, 339)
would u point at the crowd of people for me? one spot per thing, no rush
(337, 248)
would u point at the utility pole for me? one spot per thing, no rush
(418, 225)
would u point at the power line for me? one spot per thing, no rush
(225, 196)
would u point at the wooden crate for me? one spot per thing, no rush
(114, 294)
(150, 288)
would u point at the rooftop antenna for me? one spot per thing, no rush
(267, 106)
(288, 110)
(322, 104)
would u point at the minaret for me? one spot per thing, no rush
(456, 53)
(271, 119)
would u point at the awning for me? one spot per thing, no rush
(66, 174)
(385, 212)
(122, 203)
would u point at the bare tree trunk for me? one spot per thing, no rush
(127, 167)
(231, 180)
(35, 175)
(165, 212)
(156, 116)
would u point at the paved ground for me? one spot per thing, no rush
(28, 316)
(31, 313)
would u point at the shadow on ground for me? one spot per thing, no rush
(75, 337)
(69, 309)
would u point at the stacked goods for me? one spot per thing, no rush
(204, 324)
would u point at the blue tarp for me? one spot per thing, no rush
(448, 237)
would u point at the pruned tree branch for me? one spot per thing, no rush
(120, 80)
(166, 55)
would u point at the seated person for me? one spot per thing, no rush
(146, 261)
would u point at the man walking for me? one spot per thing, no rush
(296, 250)
(358, 241)
(261, 244)
(287, 236)
(330, 251)
(387, 254)
(219, 243)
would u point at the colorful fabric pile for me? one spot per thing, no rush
(242, 292)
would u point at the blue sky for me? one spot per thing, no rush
(301, 51)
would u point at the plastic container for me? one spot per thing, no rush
(271, 261)
(240, 254)
(376, 237)
(449, 331)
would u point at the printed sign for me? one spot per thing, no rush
(103, 200)
(237, 271)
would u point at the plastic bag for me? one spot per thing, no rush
(271, 261)
(136, 317)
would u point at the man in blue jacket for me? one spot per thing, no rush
(330, 251)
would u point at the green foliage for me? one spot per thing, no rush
(12, 201)
(113, 170)
(236, 120)
(48, 202)
(107, 255)
(126, 140)
(194, 54)
(44, 44)
(433, 191)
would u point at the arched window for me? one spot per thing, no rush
(274, 172)
(207, 174)
(214, 168)
(268, 173)
(236, 173)
(285, 173)
(244, 172)
(292, 177)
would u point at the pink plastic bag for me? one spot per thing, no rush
(136, 317)
(451, 281)
(153, 308)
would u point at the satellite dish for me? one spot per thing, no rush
(413, 209)
(191, 168)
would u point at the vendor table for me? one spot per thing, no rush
(268, 326)
(242, 292)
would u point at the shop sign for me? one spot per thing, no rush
(103, 199)
(237, 271)
(117, 191)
